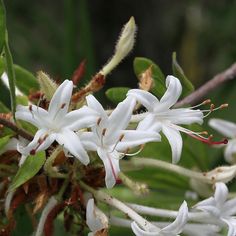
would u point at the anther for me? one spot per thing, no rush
(121, 137)
(224, 105)
(63, 105)
(30, 108)
(32, 152)
(104, 131)
(207, 101)
(99, 120)
(212, 107)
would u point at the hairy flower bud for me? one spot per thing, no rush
(123, 47)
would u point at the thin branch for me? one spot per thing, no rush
(215, 82)
(13, 127)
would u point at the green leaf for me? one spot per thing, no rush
(2, 66)
(179, 73)
(28, 169)
(4, 141)
(2, 25)
(118, 94)
(10, 74)
(22, 100)
(141, 64)
(25, 81)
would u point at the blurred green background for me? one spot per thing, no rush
(56, 35)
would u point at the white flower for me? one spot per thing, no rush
(220, 208)
(228, 129)
(95, 218)
(160, 116)
(173, 229)
(57, 124)
(109, 137)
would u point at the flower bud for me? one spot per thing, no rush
(47, 85)
(123, 47)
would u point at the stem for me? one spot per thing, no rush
(138, 188)
(215, 82)
(103, 197)
(220, 174)
(48, 166)
(13, 127)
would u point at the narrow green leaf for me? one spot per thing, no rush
(118, 94)
(2, 66)
(141, 64)
(28, 170)
(10, 74)
(179, 73)
(4, 141)
(25, 81)
(2, 25)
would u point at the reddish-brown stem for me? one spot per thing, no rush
(13, 127)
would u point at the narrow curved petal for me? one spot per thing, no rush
(230, 151)
(140, 232)
(221, 193)
(92, 220)
(60, 101)
(111, 164)
(134, 138)
(94, 104)
(82, 118)
(88, 140)
(33, 114)
(177, 226)
(173, 92)
(39, 137)
(72, 143)
(226, 128)
(120, 117)
(145, 98)
(175, 141)
(149, 123)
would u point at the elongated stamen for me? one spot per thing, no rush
(40, 142)
(119, 140)
(213, 108)
(198, 135)
(131, 154)
(207, 101)
(60, 108)
(99, 121)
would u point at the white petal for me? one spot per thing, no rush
(88, 140)
(92, 220)
(149, 123)
(227, 128)
(33, 114)
(81, 118)
(59, 104)
(140, 232)
(230, 151)
(133, 138)
(72, 143)
(94, 104)
(175, 141)
(172, 94)
(111, 164)
(185, 116)
(230, 207)
(145, 98)
(120, 117)
(177, 226)
(41, 134)
(221, 193)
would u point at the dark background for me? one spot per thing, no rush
(56, 35)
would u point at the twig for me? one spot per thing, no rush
(13, 127)
(217, 80)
